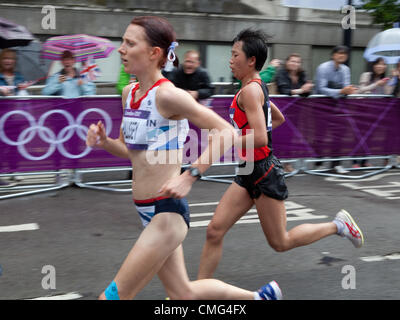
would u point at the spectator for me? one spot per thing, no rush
(395, 81)
(291, 79)
(11, 82)
(375, 81)
(333, 77)
(192, 78)
(68, 82)
(333, 80)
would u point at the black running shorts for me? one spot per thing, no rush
(268, 178)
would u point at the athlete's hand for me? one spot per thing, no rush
(96, 136)
(178, 187)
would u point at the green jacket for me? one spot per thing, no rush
(123, 80)
(267, 75)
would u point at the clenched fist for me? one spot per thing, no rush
(96, 136)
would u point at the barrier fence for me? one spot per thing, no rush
(47, 134)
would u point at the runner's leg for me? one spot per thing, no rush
(159, 239)
(232, 206)
(272, 214)
(175, 279)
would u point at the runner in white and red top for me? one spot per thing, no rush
(153, 130)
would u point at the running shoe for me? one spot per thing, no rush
(270, 291)
(351, 231)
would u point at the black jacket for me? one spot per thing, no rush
(285, 85)
(197, 81)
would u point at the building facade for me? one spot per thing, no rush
(206, 25)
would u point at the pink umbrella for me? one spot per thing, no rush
(82, 47)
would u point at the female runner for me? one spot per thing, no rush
(154, 128)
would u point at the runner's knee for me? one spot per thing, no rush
(279, 245)
(214, 233)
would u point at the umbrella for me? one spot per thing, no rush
(385, 44)
(29, 63)
(82, 47)
(12, 35)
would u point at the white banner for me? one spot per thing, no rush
(318, 4)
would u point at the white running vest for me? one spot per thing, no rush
(145, 128)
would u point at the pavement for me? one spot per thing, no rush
(69, 243)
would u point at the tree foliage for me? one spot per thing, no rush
(385, 12)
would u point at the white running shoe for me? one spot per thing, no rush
(270, 291)
(351, 231)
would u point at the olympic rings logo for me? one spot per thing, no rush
(47, 135)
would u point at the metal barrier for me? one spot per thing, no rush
(18, 189)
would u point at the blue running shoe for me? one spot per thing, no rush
(270, 291)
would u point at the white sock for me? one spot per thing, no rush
(340, 226)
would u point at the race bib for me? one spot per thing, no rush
(269, 124)
(134, 128)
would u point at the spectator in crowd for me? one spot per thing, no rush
(68, 82)
(333, 80)
(11, 82)
(192, 78)
(375, 81)
(333, 76)
(291, 78)
(395, 81)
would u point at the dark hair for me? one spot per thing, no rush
(255, 44)
(159, 33)
(373, 74)
(340, 49)
(296, 55)
(67, 55)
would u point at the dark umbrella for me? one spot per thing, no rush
(13, 35)
(30, 64)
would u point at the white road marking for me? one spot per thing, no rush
(20, 227)
(202, 204)
(205, 214)
(294, 212)
(393, 256)
(67, 296)
(389, 190)
(372, 178)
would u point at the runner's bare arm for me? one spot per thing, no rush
(96, 136)
(179, 104)
(277, 116)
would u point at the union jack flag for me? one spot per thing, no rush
(91, 70)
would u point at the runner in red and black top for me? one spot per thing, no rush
(268, 174)
(255, 116)
(239, 118)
